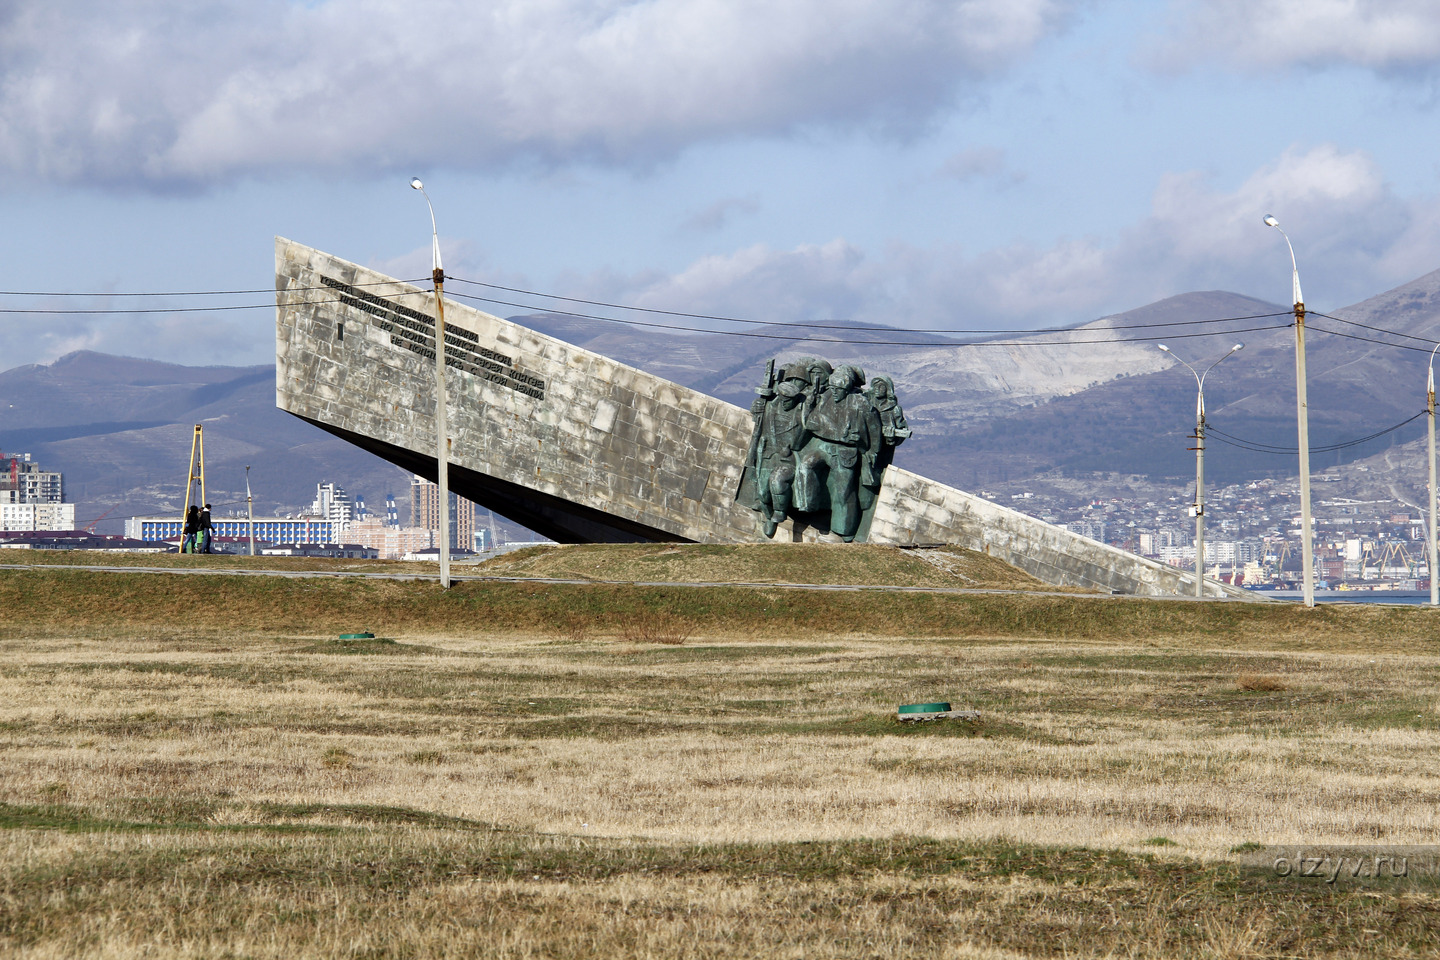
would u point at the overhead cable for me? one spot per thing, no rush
(872, 343)
(190, 293)
(803, 329)
(831, 324)
(1383, 343)
(1256, 446)
(216, 309)
(1356, 323)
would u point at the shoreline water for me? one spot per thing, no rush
(1413, 597)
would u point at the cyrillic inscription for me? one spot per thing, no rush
(414, 331)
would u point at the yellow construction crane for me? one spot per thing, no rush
(197, 471)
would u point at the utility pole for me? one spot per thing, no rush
(442, 439)
(1200, 498)
(1302, 406)
(1430, 408)
(250, 509)
(1199, 449)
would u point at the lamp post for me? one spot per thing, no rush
(250, 509)
(1307, 537)
(1430, 408)
(1200, 461)
(442, 439)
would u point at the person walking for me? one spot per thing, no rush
(192, 527)
(206, 528)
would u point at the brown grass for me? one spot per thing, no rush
(656, 628)
(852, 565)
(1260, 683)
(488, 785)
(48, 599)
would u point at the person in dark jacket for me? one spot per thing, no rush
(205, 529)
(192, 527)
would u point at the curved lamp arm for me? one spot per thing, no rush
(1270, 221)
(434, 234)
(1200, 377)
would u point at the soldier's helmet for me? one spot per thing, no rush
(795, 371)
(812, 365)
(847, 376)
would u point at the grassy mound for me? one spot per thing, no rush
(45, 599)
(819, 563)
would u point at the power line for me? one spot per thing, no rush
(135, 310)
(871, 343)
(841, 325)
(216, 309)
(832, 324)
(1356, 323)
(798, 326)
(802, 328)
(137, 516)
(1257, 446)
(191, 293)
(1383, 343)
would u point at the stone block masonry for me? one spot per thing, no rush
(581, 448)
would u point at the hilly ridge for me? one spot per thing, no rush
(137, 465)
(1094, 398)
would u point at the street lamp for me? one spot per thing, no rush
(442, 440)
(1303, 415)
(1430, 407)
(1200, 462)
(250, 509)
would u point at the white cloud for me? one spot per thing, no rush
(810, 282)
(223, 339)
(978, 162)
(718, 214)
(1353, 237)
(163, 92)
(1386, 35)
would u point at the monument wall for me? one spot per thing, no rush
(581, 448)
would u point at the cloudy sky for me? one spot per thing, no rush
(940, 165)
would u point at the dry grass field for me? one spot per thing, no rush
(858, 564)
(197, 767)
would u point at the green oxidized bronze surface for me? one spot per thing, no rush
(821, 444)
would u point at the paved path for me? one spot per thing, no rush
(471, 578)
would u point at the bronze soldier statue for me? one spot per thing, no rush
(782, 434)
(892, 418)
(843, 454)
(821, 443)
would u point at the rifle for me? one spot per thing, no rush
(751, 467)
(768, 393)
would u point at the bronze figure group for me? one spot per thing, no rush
(821, 443)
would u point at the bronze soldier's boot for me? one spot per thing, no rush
(770, 527)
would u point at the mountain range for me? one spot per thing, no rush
(1097, 398)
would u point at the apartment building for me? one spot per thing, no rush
(32, 498)
(425, 513)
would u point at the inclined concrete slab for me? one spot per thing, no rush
(590, 436)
